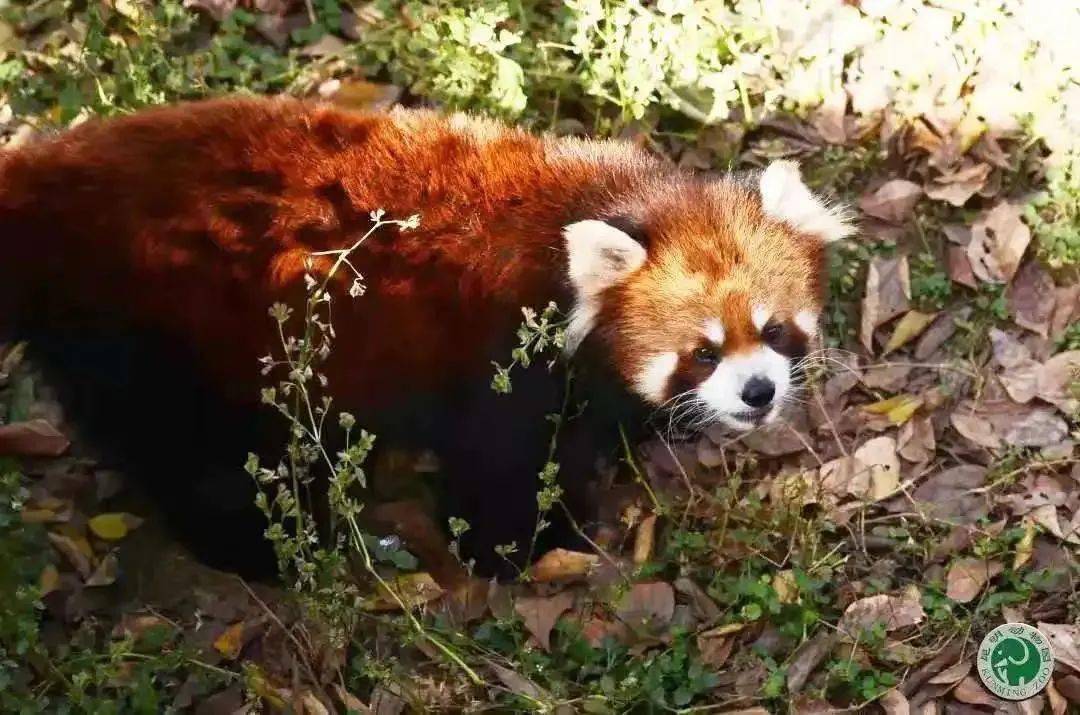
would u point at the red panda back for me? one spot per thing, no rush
(191, 220)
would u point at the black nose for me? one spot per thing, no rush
(758, 391)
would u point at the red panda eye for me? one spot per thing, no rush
(706, 356)
(772, 332)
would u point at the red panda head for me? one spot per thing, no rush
(706, 293)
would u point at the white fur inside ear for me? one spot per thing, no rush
(600, 256)
(786, 198)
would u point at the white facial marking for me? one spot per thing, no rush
(714, 331)
(759, 315)
(653, 379)
(786, 198)
(722, 391)
(806, 321)
(599, 256)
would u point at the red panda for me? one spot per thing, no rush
(140, 255)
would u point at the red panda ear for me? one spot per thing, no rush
(786, 198)
(600, 256)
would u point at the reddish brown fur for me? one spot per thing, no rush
(191, 220)
(184, 224)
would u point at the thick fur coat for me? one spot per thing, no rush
(140, 255)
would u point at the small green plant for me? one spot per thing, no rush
(1054, 216)
(95, 673)
(536, 335)
(21, 549)
(1070, 339)
(139, 54)
(316, 561)
(462, 54)
(931, 288)
(850, 680)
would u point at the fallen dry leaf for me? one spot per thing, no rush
(1021, 382)
(1031, 298)
(714, 649)
(49, 580)
(708, 454)
(893, 201)
(326, 46)
(956, 187)
(409, 590)
(57, 513)
(113, 526)
(563, 565)
(1058, 704)
(540, 613)
(967, 577)
(644, 538)
(777, 439)
(137, 625)
(894, 703)
(786, 587)
(1065, 642)
(828, 118)
(1008, 351)
(650, 603)
(898, 409)
(953, 674)
(916, 441)
(311, 705)
(500, 600)
(892, 611)
(36, 438)
(705, 609)
(361, 95)
(1025, 547)
(951, 495)
(1066, 309)
(878, 457)
(77, 552)
(957, 233)
(887, 376)
(1046, 517)
(845, 476)
(888, 294)
(352, 703)
(998, 240)
(975, 428)
(106, 572)
(1069, 686)
(1056, 379)
(972, 692)
(1036, 491)
(231, 641)
(1029, 427)
(466, 601)
(384, 702)
(959, 267)
(943, 328)
(807, 657)
(907, 329)
(517, 683)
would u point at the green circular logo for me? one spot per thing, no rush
(1015, 661)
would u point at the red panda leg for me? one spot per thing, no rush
(493, 454)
